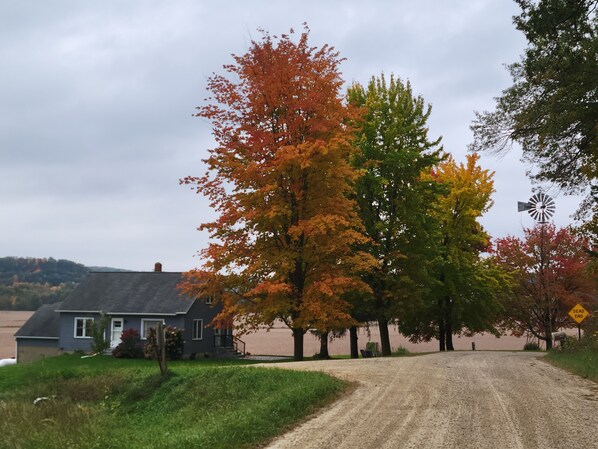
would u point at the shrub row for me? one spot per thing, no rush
(131, 346)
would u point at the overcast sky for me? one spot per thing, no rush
(96, 104)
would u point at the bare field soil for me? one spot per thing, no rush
(455, 400)
(10, 322)
(279, 341)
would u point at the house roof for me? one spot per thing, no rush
(44, 323)
(128, 293)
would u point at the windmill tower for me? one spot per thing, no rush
(541, 207)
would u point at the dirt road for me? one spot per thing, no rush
(476, 400)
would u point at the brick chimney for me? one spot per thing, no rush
(157, 267)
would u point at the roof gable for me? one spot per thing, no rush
(129, 293)
(43, 323)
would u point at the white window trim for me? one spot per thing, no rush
(84, 318)
(143, 320)
(209, 299)
(200, 328)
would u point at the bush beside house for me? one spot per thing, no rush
(130, 346)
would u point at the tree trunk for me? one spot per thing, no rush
(298, 343)
(449, 336)
(441, 334)
(324, 346)
(448, 320)
(384, 336)
(353, 342)
(548, 340)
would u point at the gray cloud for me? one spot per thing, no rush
(96, 104)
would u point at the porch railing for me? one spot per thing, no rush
(229, 341)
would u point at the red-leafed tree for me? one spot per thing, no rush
(549, 269)
(280, 179)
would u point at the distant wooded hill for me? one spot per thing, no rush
(40, 271)
(26, 282)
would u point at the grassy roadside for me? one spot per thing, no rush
(582, 362)
(109, 403)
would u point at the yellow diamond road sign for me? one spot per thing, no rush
(578, 313)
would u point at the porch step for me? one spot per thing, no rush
(229, 353)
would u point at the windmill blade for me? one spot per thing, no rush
(522, 207)
(541, 207)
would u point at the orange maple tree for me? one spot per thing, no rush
(283, 245)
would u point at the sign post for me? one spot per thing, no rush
(578, 313)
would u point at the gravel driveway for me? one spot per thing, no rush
(476, 400)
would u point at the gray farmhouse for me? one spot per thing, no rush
(138, 300)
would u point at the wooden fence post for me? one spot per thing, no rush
(161, 343)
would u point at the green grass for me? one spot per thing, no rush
(581, 362)
(108, 403)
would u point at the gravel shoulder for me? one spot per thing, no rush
(455, 400)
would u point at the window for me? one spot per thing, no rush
(209, 300)
(146, 325)
(197, 329)
(83, 327)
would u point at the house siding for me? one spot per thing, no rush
(66, 338)
(69, 343)
(32, 349)
(134, 321)
(200, 311)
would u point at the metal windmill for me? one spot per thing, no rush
(540, 206)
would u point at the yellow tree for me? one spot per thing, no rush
(464, 297)
(280, 178)
(466, 293)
